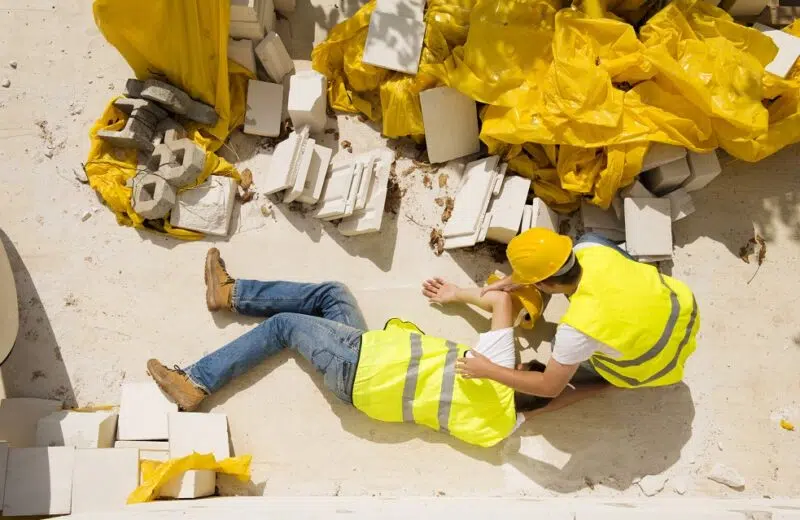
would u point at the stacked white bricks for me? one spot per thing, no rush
(542, 216)
(19, 418)
(451, 124)
(681, 204)
(703, 168)
(369, 217)
(667, 177)
(307, 103)
(272, 54)
(251, 19)
(78, 429)
(143, 412)
(104, 478)
(206, 208)
(264, 108)
(507, 208)
(466, 223)
(648, 228)
(601, 221)
(39, 481)
(241, 51)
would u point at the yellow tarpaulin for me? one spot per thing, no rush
(184, 42)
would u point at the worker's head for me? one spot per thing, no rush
(544, 258)
(526, 402)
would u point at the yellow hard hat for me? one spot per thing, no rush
(537, 254)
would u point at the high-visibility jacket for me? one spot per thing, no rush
(651, 319)
(406, 376)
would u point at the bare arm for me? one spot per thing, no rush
(497, 302)
(549, 383)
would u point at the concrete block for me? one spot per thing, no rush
(542, 216)
(472, 199)
(288, 159)
(598, 220)
(403, 8)
(336, 193)
(300, 171)
(186, 163)
(527, 215)
(703, 168)
(143, 412)
(104, 478)
(171, 97)
(667, 177)
(132, 105)
(244, 10)
(246, 30)
(133, 88)
(462, 240)
(635, 191)
(264, 108)
(168, 130)
(144, 445)
(484, 229)
(19, 417)
(77, 429)
(161, 156)
(498, 183)
(681, 204)
(367, 176)
(788, 50)
(317, 172)
(192, 484)
(127, 138)
(507, 209)
(307, 103)
(152, 196)
(39, 481)
(648, 227)
(394, 42)
(3, 466)
(266, 15)
(370, 218)
(451, 124)
(206, 208)
(747, 7)
(273, 56)
(202, 113)
(241, 51)
(659, 154)
(285, 7)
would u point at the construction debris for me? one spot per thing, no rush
(648, 228)
(152, 196)
(788, 50)
(507, 207)
(78, 429)
(681, 205)
(264, 108)
(603, 222)
(272, 54)
(451, 123)
(703, 168)
(472, 202)
(38, 481)
(143, 412)
(395, 36)
(307, 103)
(727, 476)
(251, 19)
(206, 208)
(241, 51)
(667, 177)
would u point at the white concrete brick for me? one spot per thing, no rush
(527, 215)
(472, 199)
(264, 108)
(542, 216)
(648, 227)
(667, 177)
(19, 417)
(104, 478)
(635, 191)
(285, 7)
(206, 208)
(315, 181)
(148, 450)
(659, 154)
(77, 429)
(241, 51)
(3, 466)
(192, 484)
(403, 8)
(484, 229)
(747, 7)
(336, 193)
(370, 218)
(244, 10)
(366, 180)
(703, 168)
(507, 209)
(300, 171)
(681, 204)
(602, 222)
(788, 50)
(394, 42)
(266, 14)
(39, 481)
(451, 124)
(246, 30)
(143, 412)
(501, 176)
(286, 160)
(307, 103)
(462, 240)
(272, 54)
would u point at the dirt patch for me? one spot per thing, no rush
(436, 242)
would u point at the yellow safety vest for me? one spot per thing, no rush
(650, 318)
(406, 376)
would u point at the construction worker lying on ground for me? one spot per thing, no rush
(635, 326)
(396, 374)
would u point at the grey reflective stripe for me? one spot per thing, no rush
(668, 367)
(662, 342)
(448, 385)
(412, 376)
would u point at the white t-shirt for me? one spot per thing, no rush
(572, 346)
(499, 347)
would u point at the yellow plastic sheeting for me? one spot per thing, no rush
(156, 474)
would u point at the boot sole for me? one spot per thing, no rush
(210, 303)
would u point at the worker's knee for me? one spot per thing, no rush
(337, 291)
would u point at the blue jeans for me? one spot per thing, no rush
(320, 321)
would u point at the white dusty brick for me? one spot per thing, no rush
(366, 180)
(307, 103)
(703, 168)
(370, 218)
(527, 216)
(315, 180)
(266, 14)
(648, 227)
(241, 51)
(667, 177)
(3, 465)
(634, 191)
(39, 481)
(246, 30)
(542, 216)
(498, 183)
(485, 224)
(19, 417)
(301, 171)
(472, 198)
(394, 42)
(285, 7)
(244, 10)
(451, 124)
(336, 193)
(104, 478)
(788, 50)
(681, 204)
(273, 56)
(77, 429)
(507, 209)
(264, 108)
(144, 445)
(659, 154)
(284, 163)
(143, 412)
(602, 222)
(404, 8)
(206, 208)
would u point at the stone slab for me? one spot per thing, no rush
(143, 412)
(206, 208)
(648, 227)
(681, 204)
(317, 172)
(451, 124)
(667, 177)
(703, 168)
(264, 108)
(527, 215)
(272, 54)
(507, 209)
(103, 478)
(19, 417)
(39, 481)
(394, 42)
(370, 218)
(77, 429)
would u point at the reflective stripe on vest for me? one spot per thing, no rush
(412, 377)
(448, 385)
(448, 382)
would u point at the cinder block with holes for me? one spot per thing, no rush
(19, 417)
(168, 130)
(133, 88)
(132, 105)
(186, 163)
(152, 196)
(77, 429)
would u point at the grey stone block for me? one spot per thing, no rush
(152, 196)
(132, 105)
(185, 165)
(128, 139)
(162, 155)
(134, 87)
(169, 130)
(173, 98)
(202, 113)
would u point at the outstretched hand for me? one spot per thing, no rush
(474, 366)
(439, 291)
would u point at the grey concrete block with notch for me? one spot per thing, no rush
(185, 164)
(171, 97)
(152, 196)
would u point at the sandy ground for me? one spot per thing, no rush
(97, 300)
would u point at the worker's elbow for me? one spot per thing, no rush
(552, 391)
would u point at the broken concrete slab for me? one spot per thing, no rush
(317, 172)
(133, 88)
(473, 196)
(404, 8)
(648, 227)
(603, 222)
(168, 130)
(368, 161)
(171, 97)
(370, 218)
(241, 51)
(681, 204)
(703, 168)
(143, 412)
(287, 161)
(77, 429)
(244, 10)
(246, 30)
(19, 417)
(667, 177)
(660, 154)
(104, 478)
(542, 216)
(338, 196)
(206, 208)
(133, 105)
(272, 54)
(152, 196)
(39, 481)
(507, 209)
(3, 466)
(185, 164)
(788, 50)
(307, 104)
(527, 215)
(394, 42)
(451, 124)
(301, 171)
(264, 108)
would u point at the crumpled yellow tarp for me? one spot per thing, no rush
(156, 474)
(184, 42)
(572, 100)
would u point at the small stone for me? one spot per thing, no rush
(86, 215)
(49, 154)
(80, 175)
(679, 485)
(719, 445)
(266, 210)
(652, 485)
(12, 64)
(727, 475)
(6, 83)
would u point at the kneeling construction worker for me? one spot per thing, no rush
(634, 326)
(396, 374)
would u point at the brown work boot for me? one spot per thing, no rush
(176, 384)
(219, 284)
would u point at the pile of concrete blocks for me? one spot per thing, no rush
(241, 51)
(451, 124)
(602, 222)
(298, 167)
(172, 99)
(251, 19)
(140, 127)
(469, 222)
(395, 35)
